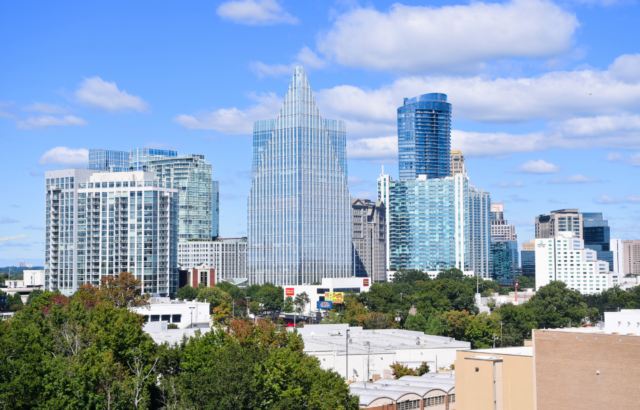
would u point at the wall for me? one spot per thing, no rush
(566, 366)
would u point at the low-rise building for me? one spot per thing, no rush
(201, 274)
(318, 293)
(372, 352)
(183, 314)
(408, 392)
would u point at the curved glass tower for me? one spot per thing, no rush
(299, 208)
(424, 136)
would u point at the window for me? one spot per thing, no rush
(155, 318)
(434, 401)
(166, 318)
(452, 398)
(176, 318)
(409, 405)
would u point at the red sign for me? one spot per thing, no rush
(289, 292)
(365, 282)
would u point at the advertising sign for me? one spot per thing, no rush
(335, 297)
(324, 304)
(365, 282)
(289, 292)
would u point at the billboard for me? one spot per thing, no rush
(335, 297)
(324, 304)
(365, 282)
(289, 292)
(507, 283)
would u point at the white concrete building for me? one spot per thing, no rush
(33, 277)
(317, 292)
(371, 352)
(624, 322)
(617, 247)
(564, 258)
(228, 256)
(184, 314)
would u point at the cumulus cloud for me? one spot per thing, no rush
(373, 148)
(45, 108)
(626, 67)
(233, 121)
(574, 179)
(516, 184)
(630, 199)
(65, 156)
(255, 12)
(4, 105)
(7, 220)
(46, 121)
(306, 58)
(628, 159)
(461, 37)
(538, 167)
(97, 93)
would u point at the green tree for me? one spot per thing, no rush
(410, 276)
(423, 369)
(301, 300)
(187, 292)
(214, 296)
(15, 302)
(400, 370)
(525, 282)
(555, 305)
(416, 322)
(453, 274)
(271, 296)
(33, 295)
(234, 291)
(288, 305)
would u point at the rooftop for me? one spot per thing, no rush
(514, 351)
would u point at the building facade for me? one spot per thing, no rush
(565, 259)
(299, 207)
(504, 246)
(479, 231)
(528, 258)
(631, 252)
(108, 160)
(457, 165)
(369, 239)
(617, 247)
(563, 220)
(596, 235)
(100, 224)
(193, 177)
(228, 256)
(424, 137)
(139, 157)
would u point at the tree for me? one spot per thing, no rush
(525, 282)
(271, 296)
(187, 292)
(400, 370)
(124, 290)
(423, 369)
(416, 322)
(288, 305)
(15, 302)
(234, 291)
(555, 305)
(33, 295)
(301, 300)
(214, 295)
(410, 276)
(453, 274)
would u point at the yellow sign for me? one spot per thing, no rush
(335, 297)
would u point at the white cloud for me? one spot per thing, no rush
(7, 220)
(461, 37)
(65, 156)
(255, 12)
(45, 108)
(626, 68)
(46, 121)
(232, 120)
(630, 199)
(306, 58)
(628, 159)
(538, 167)
(97, 93)
(373, 148)
(35, 227)
(574, 179)
(3, 113)
(516, 184)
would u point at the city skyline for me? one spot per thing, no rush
(546, 121)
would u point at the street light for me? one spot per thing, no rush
(347, 356)
(191, 310)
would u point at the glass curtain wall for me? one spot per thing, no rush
(299, 207)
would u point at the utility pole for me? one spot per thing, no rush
(191, 311)
(248, 311)
(347, 356)
(500, 334)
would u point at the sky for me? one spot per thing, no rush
(545, 95)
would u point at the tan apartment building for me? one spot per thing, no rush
(495, 379)
(588, 368)
(562, 220)
(457, 164)
(631, 255)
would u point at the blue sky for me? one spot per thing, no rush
(546, 95)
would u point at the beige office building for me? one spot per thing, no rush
(457, 164)
(563, 220)
(631, 257)
(490, 379)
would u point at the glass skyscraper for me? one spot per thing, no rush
(108, 160)
(193, 177)
(299, 207)
(597, 236)
(424, 137)
(139, 157)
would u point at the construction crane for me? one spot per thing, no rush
(11, 238)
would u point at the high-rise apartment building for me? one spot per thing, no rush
(596, 235)
(504, 245)
(369, 239)
(457, 164)
(102, 223)
(424, 137)
(564, 258)
(436, 224)
(108, 160)
(22, 264)
(631, 255)
(228, 256)
(139, 158)
(192, 176)
(617, 247)
(563, 220)
(528, 258)
(299, 207)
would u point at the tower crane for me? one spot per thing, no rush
(11, 238)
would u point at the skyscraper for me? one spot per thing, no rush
(457, 165)
(504, 245)
(596, 234)
(369, 239)
(299, 207)
(528, 258)
(562, 220)
(108, 160)
(100, 224)
(198, 215)
(424, 136)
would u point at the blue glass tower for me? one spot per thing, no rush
(424, 137)
(108, 160)
(299, 207)
(597, 236)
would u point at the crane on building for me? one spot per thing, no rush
(11, 238)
